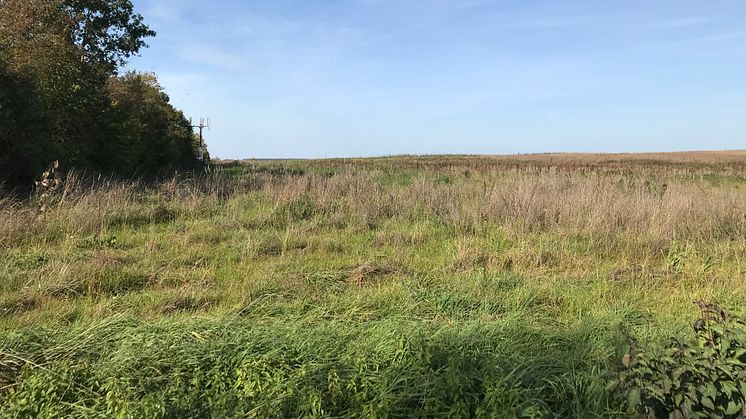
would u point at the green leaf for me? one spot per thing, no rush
(707, 402)
(633, 398)
(733, 408)
(612, 385)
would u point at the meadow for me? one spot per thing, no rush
(449, 286)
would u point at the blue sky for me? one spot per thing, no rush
(333, 78)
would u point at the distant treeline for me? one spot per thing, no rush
(61, 97)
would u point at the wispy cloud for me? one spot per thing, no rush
(685, 22)
(248, 26)
(433, 4)
(212, 56)
(730, 42)
(166, 11)
(736, 35)
(555, 22)
(676, 23)
(548, 113)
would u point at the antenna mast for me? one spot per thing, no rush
(203, 123)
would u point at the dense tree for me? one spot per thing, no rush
(25, 134)
(60, 98)
(159, 136)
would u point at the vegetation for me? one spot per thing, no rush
(393, 287)
(702, 376)
(61, 98)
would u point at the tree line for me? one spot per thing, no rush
(62, 97)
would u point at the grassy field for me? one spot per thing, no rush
(393, 287)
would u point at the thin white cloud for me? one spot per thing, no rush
(433, 4)
(677, 23)
(730, 42)
(554, 22)
(251, 26)
(165, 12)
(684, 22)
(737, 35)
(548, 113)
(212, 56)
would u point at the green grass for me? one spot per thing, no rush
(318, 289)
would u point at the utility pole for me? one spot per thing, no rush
(203, 123)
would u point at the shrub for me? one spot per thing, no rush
(703, 375)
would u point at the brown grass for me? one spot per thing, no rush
(591, 200)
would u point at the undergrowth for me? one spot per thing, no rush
(702, 375)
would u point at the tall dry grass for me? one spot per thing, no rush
(544, 199)
(567, 203)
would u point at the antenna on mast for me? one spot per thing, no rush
(203, 123)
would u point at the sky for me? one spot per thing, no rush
(349, 78)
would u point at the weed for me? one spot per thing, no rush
(703, 375)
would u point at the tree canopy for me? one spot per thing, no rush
(62, 98)
(106, 31)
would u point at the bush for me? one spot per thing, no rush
(703, 375)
